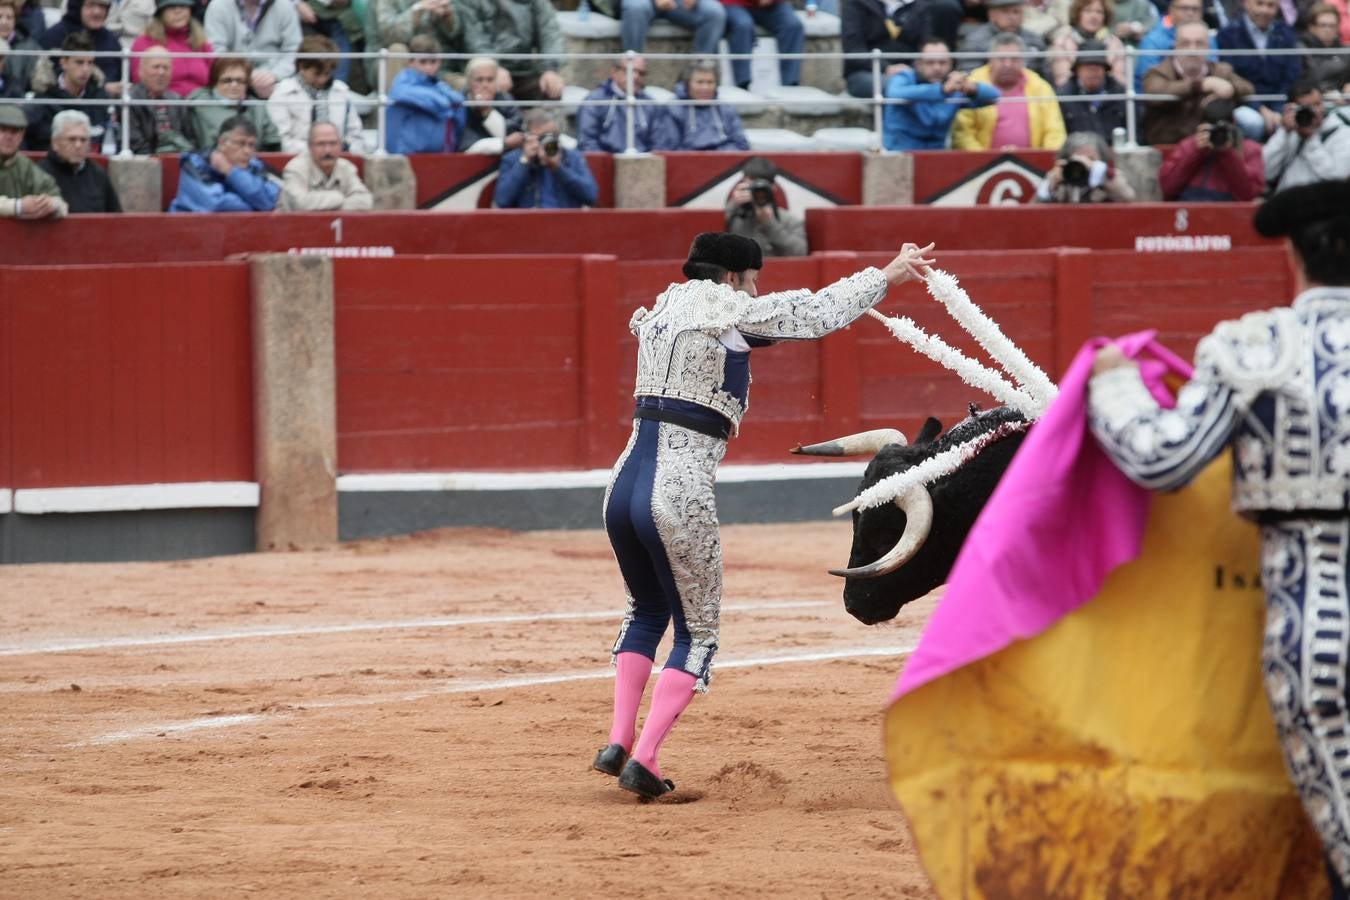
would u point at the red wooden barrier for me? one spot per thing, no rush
(127, 375)
(702, 178)
(628, 234)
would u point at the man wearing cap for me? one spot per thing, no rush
(1005, 17)
(693, 382)
(26, 192)
(1274, 387)
(1084, 110)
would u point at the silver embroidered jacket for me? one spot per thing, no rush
(687, 338)
(1274, 384)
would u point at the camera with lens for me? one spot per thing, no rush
(1222, 134)
(549, 145)
(761, 192)
(1305, 116)
(1075, 172)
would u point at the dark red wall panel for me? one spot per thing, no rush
(130, 375)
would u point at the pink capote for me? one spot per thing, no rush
(1060, 520)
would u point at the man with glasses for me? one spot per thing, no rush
(84, 186)
(230, 178)
(1163, 37)
(602, 120)
(312, 95)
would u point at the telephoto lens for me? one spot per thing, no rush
(549, 144)
(1304, 116)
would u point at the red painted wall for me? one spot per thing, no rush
(127, 375)
(838, 175)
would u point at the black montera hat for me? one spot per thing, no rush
(1291, 209)
(730, 251)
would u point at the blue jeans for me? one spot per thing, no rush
(707, 20)
(780, 21)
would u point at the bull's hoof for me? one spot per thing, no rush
(638, 779)
(610, 760)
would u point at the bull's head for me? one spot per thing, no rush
(903, 550)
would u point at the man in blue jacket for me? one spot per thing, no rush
(543, 174)
(602, 120)
(229, 179)
(426, 115)
(1261, 27)
(935, 93)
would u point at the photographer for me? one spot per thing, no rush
(1083, 173)
(543, 174)
(1214, 164)
(1310, 145)
(753, 212)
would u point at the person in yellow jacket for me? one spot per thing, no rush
(1036, 123)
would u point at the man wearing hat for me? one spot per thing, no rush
(1005, 17)
(693, 382)
(1080, 96)
(26, 192)
(1273, 385)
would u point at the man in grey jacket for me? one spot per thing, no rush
(753, 212)
(267, 32)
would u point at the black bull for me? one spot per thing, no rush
(957, 501)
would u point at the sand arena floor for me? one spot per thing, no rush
(415, 717)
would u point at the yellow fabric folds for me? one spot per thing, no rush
(1125, 752)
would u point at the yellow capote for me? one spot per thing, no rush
(1127, 751)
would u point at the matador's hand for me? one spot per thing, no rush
(909, 265)
(1108, 358)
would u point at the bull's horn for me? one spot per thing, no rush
(917, 504)
(860, 444)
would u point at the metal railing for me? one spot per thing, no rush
(877, 103)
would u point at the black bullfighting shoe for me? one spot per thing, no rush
(638, 778)
(610, 760)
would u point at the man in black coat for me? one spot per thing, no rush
(84, 186)
(892, 28)
(90, 17)
(76, 81)
(1089, 80)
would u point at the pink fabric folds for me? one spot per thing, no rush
(1060, 520)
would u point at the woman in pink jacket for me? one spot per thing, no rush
(174, 28)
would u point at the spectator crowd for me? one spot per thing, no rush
(1229, 86)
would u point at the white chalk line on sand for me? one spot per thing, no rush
(75, 645)
(473, 687)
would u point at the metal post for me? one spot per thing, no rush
(126, 103)
(631, 102)
(1130, 137)
(381, 86)
(877, 124)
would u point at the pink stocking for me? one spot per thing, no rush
(674, 690)
(630, 679)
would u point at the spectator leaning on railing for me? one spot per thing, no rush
(1084, 172)
(1327, 70)
(1193, 81)
(1261, 28)
(174, 29)
(425, 114)
(1031, 120)
(312, 95)
(158, 127)
(76, 81)
(1081, 103)
(18, 69)
(26, 192)
(602, 120)
(1215, 164)
(319, 178)
(489, 129)
(90, 17)
(228, 178)
(705, 124)
(84, 185)
(1163, 37)
(267, 32)
(934, 93)
(499, 27)
(893, 27)
(227, 94)
(543, 174)
(1310, 145)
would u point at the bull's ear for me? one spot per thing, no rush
(931, 429)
